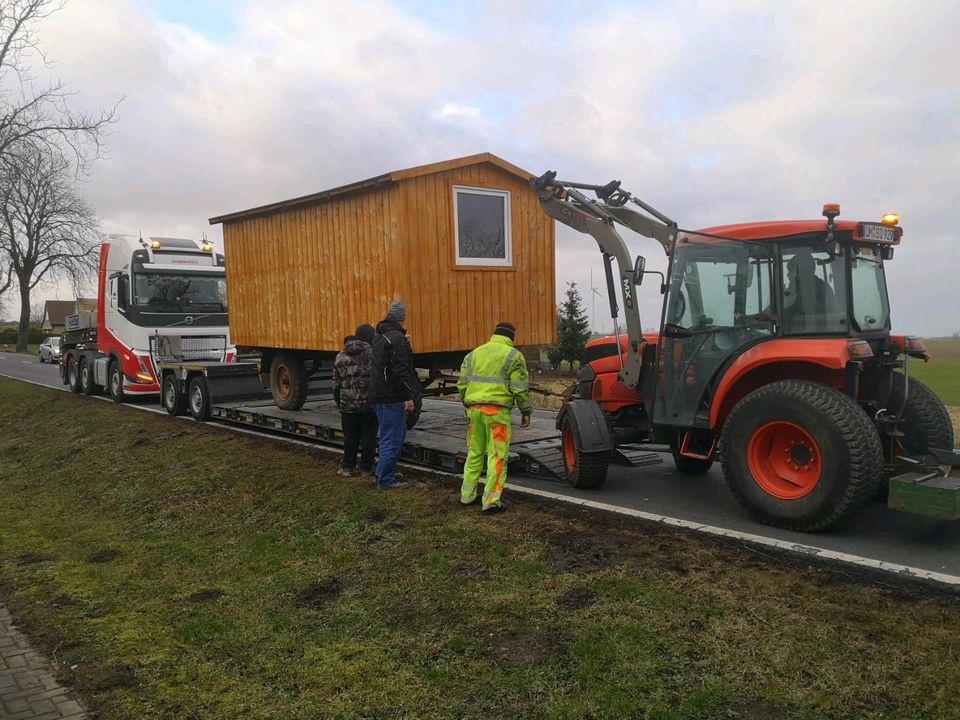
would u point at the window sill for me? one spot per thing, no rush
(484, 268)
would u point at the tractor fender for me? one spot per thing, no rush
(814, 359)
(590, 425)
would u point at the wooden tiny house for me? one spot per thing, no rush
(464, 242)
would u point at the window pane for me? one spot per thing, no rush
(870, 310)
(480, 226)
(814, 291)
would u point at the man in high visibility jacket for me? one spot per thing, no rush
(492, 378)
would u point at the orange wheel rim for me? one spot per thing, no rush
(569, 450)
(785, 460)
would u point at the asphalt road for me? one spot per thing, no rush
(877, 534)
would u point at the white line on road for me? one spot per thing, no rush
(904, 571)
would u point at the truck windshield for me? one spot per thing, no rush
(871, 309)
(172, 292)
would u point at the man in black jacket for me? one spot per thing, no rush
(391, 391)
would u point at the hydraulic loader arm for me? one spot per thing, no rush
(564, 201)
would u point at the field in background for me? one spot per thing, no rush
(177, 570)
(942, 372)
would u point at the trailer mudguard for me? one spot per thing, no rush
(589, 423)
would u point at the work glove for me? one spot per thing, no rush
(525, 421)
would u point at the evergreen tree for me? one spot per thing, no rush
(573, 327)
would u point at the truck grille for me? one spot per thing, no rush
(175, 349)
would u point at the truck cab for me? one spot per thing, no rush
(158, 299)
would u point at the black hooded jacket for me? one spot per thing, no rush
(391, 368)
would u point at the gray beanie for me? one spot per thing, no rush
(397, 311)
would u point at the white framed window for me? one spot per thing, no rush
(481, 219)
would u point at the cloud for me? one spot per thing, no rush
(712, 112)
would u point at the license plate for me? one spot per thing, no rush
(878, 233)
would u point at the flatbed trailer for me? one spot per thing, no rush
(233, 393)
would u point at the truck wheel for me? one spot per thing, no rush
(926, 423)
(87, 386)
(584, 470)
(691, 466)
(198, 398)
(174, 401)
(73, 378)
(115, 381)
(288, 381)
(801, 456)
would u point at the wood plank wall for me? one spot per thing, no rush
(303, 278)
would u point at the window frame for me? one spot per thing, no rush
(494, 263)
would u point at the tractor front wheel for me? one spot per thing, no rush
(584, 470)
(801, 456)
(926, 422)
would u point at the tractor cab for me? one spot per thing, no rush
(731, 288)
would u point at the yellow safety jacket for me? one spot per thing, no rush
(495, 374)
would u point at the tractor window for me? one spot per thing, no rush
(814, 291)
(871, 309)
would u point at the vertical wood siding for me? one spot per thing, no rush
(305, 277)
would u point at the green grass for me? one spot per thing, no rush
(942, 375)
(186, 571)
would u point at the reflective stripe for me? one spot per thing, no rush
(519, 385)
(487, 380)
(506, 363)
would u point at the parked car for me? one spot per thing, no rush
(49, 350)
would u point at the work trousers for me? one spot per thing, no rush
(359, 433)
(488, 436)
(392, 419)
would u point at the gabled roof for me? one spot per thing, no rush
(375, 183)
(55, 312)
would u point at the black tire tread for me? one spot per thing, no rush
(857, 432)
(925, 416)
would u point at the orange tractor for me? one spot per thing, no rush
(774, 357)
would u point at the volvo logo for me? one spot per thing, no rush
(188, 320)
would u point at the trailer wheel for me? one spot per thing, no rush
(584, 470)
(926, 423)
(801, 456)
(288, 381)
(174, 401)
(198, 398)
(87, 386)
(115, 382)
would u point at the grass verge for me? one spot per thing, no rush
(178, 570)
(942, 375)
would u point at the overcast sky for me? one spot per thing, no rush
(712, 112)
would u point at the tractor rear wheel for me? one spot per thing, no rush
(801, 456)
(288, 381)
(926, 422)
(584, 470)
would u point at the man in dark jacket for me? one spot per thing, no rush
(391, 391)
(351, 383)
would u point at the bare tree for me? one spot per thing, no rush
(40, 114)
(46, 228)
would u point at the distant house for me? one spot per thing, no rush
(56, 312)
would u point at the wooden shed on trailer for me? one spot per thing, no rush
(464, 242)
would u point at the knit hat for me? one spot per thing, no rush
(366, 333)
(507, 330)
(397, 311)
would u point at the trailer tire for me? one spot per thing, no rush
(85, 373)
(926, 422)
(73, 376)
(585, 471)
(115, 382)
(288, 381)
(174, 401)
(198, 398)
(801, 456)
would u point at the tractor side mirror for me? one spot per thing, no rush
(638, 268)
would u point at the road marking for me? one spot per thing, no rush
(27, 362)
(810, 551)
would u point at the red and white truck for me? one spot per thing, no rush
(158, 299)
